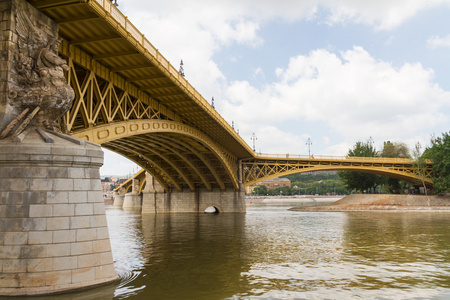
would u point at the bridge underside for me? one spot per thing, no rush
(174, 160)
(131, 100)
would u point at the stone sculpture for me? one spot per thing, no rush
(38, 92)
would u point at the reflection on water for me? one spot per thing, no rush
(272, 253)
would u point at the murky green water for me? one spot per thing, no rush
(271, 253)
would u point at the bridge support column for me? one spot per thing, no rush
(156, 200)
(53, 232)
(118, 199)
(132, 200)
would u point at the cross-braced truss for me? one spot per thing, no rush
(176, 154)
(131, 100)
(262, 168)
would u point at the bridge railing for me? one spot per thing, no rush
(329, 157)
(118, 16)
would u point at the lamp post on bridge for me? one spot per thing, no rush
(309, 143)
(253, 138)
(370, 142)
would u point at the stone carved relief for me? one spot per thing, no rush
(39, 92)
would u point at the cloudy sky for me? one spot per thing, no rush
(336, 72)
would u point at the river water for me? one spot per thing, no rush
(273, 253)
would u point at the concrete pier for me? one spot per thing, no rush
(154, 199)
(118, 199)
(53, 230)
(132, 201)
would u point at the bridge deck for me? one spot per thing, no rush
(131, 100)
(99, 29)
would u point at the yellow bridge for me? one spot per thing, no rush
(131, 100)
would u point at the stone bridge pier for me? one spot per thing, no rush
(154, 199)
(53, 229)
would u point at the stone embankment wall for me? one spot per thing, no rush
(361, 202)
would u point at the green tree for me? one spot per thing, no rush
(420, 165)
(439, 153)
(361, 181)
(260, 190)
(393, 150)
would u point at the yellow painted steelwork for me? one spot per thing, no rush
(266, 166)
(131, 100)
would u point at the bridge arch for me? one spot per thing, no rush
(260, 169)
(166, 150)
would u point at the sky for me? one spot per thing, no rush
(336, 72)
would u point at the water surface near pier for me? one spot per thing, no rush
(272, 253)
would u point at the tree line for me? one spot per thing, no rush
(345, 182)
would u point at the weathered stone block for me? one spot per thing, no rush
(57, 197)
(33, 198)
(64, 263)
(55, 250)
(63, 210)
(81, 184)
(40, 237)
(18, 185)
(58, 277)
(59, 223)
(31, 280)
(39, 265)
(89, 260)
(99, 208)
(12, 224)
(63, 184)
(8, 252)
(9, 280)
(80, 222)
(88, 234)
(41, 210)
(34, 224)
(102, 233)
(106, 258)
(95, 196)
(15, 238)
(80, 248)
(17, 211)
(76, 173)
(64, 236)
(33, 251)
(98, 221)
(78, 197)
(14, 266)
(41, 184)
(80, 275)
(101, 246)
(103, 271)
(84, 209)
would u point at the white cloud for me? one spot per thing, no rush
(436, 41)
(115, 164)
(352, 94)
(382, 14)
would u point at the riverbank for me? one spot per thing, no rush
(365, 202)
(291, 199)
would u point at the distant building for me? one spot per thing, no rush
(270, 184)
(106, 187)
(276, 183)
